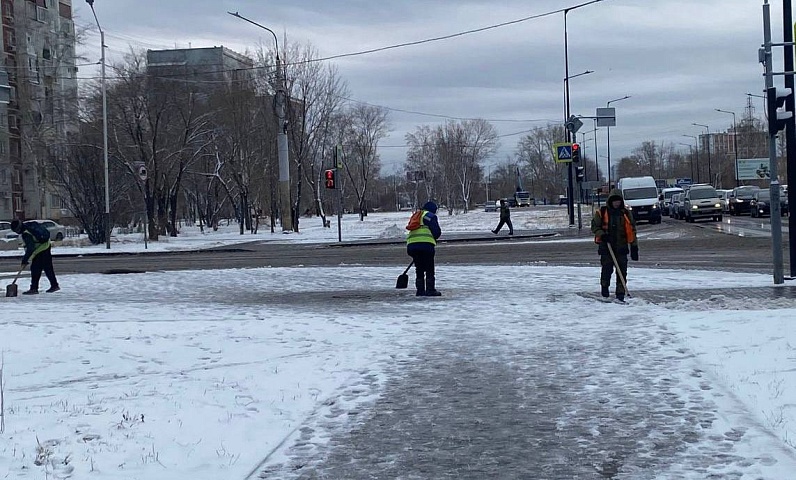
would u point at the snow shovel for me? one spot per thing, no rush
(618, 271)
(11, 290)
(403, 279)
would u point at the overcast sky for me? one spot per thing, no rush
(679, 60)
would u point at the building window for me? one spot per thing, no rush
(4, 177)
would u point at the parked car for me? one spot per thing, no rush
(760, 205)
(492, 205)
(667, 199)
(57, 232)
(5, 229)
(740, 198)
(702, 201)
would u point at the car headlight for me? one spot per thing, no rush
(654, 206)
(628, 207)
(694, 207)
(718, 205)
(738, 200)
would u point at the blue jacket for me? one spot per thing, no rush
(32, 246)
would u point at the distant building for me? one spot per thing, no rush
(210, 67)
(40, 75)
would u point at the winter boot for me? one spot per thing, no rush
(53, 289)
(420, 285)
(431, 291)
(32, 291)
(605, 292)
(620, 297)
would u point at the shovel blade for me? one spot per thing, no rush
(11, 290)
(403, 281)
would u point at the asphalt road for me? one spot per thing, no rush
(737, 244)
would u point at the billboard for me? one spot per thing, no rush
(754, 169)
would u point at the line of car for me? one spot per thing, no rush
(703, 201)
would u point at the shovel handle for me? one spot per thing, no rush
(618, 271)
(410, 266)
(16, 277)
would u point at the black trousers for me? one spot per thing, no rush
(424, 270)
(43, 261)
(505, 222)
(607, 270)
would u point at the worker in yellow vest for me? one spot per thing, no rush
(421, 245)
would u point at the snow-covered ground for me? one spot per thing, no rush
(209, 374)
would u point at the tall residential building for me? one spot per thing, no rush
(39, 62)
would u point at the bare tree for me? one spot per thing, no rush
(534, 154)
(366, 126)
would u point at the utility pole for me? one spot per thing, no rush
(108, 226)
(286, 208)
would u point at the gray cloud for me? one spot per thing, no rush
(678, 59)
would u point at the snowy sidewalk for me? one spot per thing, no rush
(530, 397)
(204, 375)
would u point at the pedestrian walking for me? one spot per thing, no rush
(38, 252)
(505, 218)
(614, 229)
(421, 245)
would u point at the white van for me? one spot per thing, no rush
(641, 197)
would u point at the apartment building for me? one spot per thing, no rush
(40, 81)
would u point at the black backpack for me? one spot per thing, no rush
(39, 231)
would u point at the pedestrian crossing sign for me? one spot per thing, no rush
(562, 152)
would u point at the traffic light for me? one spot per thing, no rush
(575, 153)
(580, 172)
(329, 175)
(777, 119)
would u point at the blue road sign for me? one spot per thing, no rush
(565, 152)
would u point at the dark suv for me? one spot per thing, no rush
(760, 205)
(739, 200)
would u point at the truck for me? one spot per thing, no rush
(521, 197)
(641, 198)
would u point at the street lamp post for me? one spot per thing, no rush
(608, 105)
(286, 210)
(696, 149)
(108, 227)
(734, 143)
(571, 192)
(707, 130)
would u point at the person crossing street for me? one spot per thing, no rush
(505, 218)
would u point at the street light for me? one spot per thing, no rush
(108, 227)
(734, 143)
(607, 105)
(696, 149)
(707, 130)
(691, 155)
(281, 137)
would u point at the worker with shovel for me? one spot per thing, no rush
(615, 232)
(38, 252)
(420, 245)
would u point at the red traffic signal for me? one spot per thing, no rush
(329, 176)
(575, 152)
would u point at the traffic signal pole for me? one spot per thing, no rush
(570, 189)
(773, 121)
